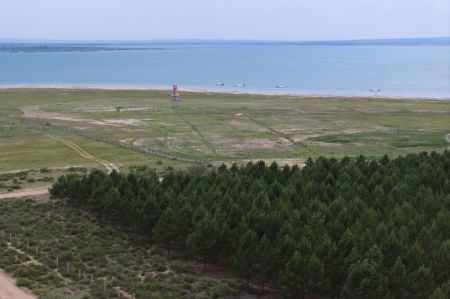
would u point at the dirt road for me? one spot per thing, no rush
(108, 165)
(26, 192)
(9, 289)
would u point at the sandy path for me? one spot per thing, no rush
(24, 193)
(108, 165)
(9, 290)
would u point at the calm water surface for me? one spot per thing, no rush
(406, 71)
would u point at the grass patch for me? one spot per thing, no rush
(394, 138)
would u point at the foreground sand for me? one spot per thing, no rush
(9, 290)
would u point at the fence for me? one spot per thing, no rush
(90, 135)
(33, 254)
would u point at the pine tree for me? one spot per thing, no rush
(421, 283)
(398, 279)
(244, 260)
(294, 277)
(203, 240)
(351, 227)
(263, 254)
(302, 276)
(165, 231)
(365, 280)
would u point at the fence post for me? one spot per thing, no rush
(141, 148)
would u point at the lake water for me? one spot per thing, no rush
(361, 70)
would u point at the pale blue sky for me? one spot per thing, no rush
(223, 19)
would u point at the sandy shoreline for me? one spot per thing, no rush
(9, 289)
(212, 90)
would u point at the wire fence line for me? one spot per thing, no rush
(139, 148)
(29, 252)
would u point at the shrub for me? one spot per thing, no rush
(24, 282)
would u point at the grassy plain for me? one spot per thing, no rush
(213, 126)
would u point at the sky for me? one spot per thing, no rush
(223, 19)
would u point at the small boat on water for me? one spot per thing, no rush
(281, 86)
(239, 84)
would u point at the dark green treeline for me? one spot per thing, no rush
(335, 228)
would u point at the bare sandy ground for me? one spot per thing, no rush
(9, 290)
(24, 193)
(35, 112)
(128, 122)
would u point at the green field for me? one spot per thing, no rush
(212, 126)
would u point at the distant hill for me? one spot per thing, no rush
(433, 41)
(437, 41)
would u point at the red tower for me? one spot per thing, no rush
(175, 93)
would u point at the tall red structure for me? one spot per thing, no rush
(175, 93)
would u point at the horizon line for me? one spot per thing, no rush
(2, 40)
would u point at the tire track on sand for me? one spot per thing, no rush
(108, 165)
